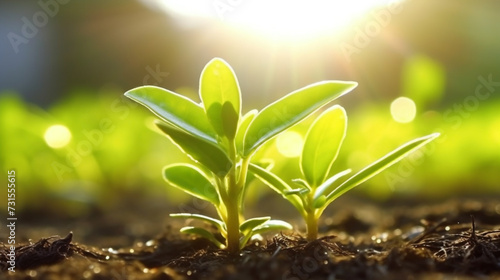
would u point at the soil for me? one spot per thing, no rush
(455, 239)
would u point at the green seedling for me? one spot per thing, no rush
(314, 191)
(221, 141)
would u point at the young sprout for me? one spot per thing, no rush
(221, 141)
(314, 191)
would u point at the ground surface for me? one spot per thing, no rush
(455, 239)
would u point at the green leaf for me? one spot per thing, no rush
(175, 109)
(319, 202)
(220, 93)
(206, 153)
(299, 191)
(217, 223)
(327, 186)
(203, 233)
(248, 225)
(191, 180)
(272, 225)
(291, 109)
(265, 163)
(275, 183)
(322, 144)
(302, 183)
(242, 129)
(263, 226)
(230, 120)
(379, 165)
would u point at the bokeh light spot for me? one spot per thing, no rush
(289, 144)
(57, 136)
(403, 110)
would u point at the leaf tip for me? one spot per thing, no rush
(435, 135)
(130, 93)
(216, 59)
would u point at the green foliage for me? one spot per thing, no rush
(207, 153)
(291, 109)
(221, 143)
(75, 180)
(220, 95)
(423, 80)
(92, 167)
(322, 144)
(191, 180)
(175, 109)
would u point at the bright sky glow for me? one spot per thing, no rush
(278, 19)
(403, 110)
(57, 136)
(289, 144)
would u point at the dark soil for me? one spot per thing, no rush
(457, 239)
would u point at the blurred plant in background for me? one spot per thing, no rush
(78, 153)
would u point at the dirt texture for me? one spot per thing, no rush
(455, 239)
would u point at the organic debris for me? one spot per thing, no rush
(440, 245)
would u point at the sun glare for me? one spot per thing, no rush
(57, 136)
(278, 19)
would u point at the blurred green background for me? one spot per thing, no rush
(77, 144)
